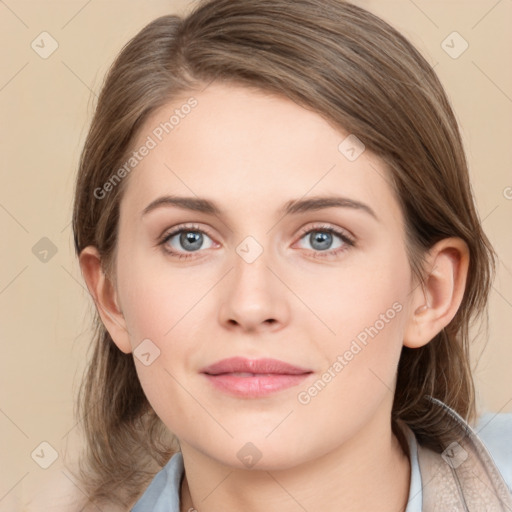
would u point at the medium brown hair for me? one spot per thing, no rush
(362, 76)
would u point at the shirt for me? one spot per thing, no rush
(495, 431)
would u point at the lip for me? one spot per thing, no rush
(242, 364)
(268, 376)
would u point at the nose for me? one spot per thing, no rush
(253, 298)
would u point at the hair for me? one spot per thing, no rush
(363, 77)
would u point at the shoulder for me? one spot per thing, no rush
(495, 431)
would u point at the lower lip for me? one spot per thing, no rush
(253, 387)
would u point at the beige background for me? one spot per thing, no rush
(46, 105)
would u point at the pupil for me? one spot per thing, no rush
(324, 240)
(188, 238)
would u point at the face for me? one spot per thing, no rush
(267, 275)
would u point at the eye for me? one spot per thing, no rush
(321, 239)
(189, 239)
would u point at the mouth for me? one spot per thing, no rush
(248, 378)
(245, 374)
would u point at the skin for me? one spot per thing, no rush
(251, 152)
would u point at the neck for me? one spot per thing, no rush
(363, 474)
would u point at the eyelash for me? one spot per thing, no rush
(347, 240)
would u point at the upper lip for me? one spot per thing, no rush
(242, 364)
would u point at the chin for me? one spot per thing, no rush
(265, 455)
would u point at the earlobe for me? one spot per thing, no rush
(105, 297)
(437, 300)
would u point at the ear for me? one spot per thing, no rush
(105, 297)
(435, 302)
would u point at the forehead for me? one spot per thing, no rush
(245, 149)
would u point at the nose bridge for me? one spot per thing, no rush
(251, 263)
(252, 295)
(251, 249)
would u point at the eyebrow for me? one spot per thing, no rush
(294, 206)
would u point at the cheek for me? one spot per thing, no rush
(370, 292)
(155, 298)
(360, 360)
(365, 308)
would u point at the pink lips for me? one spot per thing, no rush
(252, 378)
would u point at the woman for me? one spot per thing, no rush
(274, 218)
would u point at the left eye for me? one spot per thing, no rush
(189, 240)
(322, 240)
